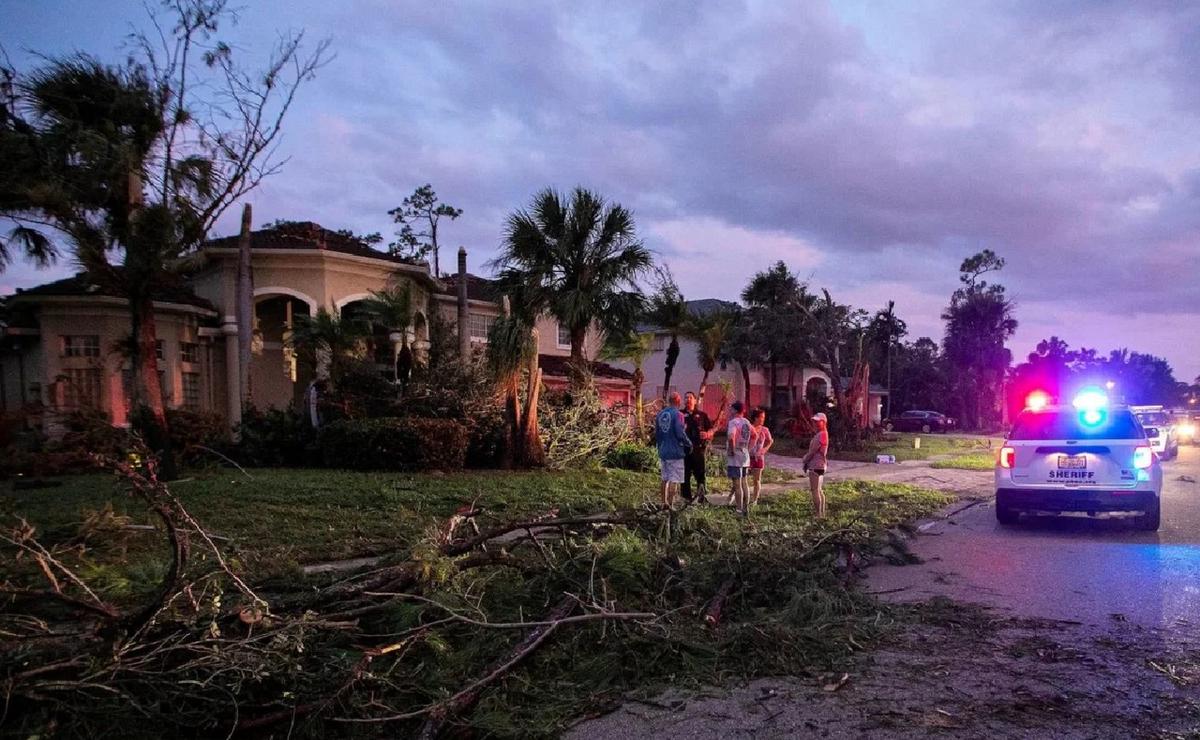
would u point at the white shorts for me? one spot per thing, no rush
(672, 470)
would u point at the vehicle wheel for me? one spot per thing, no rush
(1150, 520)
(889, 427)
(925, 428)
(1006, 515)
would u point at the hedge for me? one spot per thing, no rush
(409, 444)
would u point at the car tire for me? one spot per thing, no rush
(1150, 520)
(1006, 515)
(925, 428)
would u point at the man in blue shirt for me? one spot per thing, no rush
(670, 435)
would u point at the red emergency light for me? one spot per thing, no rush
(1037, 401)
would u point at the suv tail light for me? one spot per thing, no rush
(1008, 456)
(1142, 457)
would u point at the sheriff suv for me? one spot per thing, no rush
(1087, 457)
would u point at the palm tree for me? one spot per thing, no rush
(888, 328)
(512, 350)
(668, 312)
(633, 347)
(578, 259)
(328, 339)
(392, 309)
(776, 300)
(710, 332)
(131, 165)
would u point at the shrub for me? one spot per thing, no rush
(489, 435)
(579, 431)
(632, 456)
(193, 431)
(275, 438)
(361, 392)
(410, 444)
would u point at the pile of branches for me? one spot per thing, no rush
(411, 646)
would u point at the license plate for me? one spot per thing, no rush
(1072, 462)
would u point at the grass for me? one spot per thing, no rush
(791, 612)
(969, 461)
(901, 446)
(278, 519)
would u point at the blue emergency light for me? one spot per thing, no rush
(1092, 404)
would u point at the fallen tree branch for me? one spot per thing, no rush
(716, 607)
(464, 546)
(462, 701)
(458, 617)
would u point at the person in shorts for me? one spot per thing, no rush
(760, 443)
(737, 457)
(673, 446)
(700, 431)
(815, 461)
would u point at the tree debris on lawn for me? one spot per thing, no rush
(492, 626)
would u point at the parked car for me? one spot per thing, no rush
(1160, 430)
(1187, 427)
(919, 421)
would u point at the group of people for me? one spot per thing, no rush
(683, 436)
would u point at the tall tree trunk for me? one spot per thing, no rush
(745, 380)
(532, 453)
(703, 387)
(512, 421)
(149, 391)
(639, 379)
(774, 380)
(245, 307)
(791, 382)
(579, 367)
(672, 358)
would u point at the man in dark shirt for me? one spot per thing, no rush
(700, 431)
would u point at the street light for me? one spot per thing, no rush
(1110, 385)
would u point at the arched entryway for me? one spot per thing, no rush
(277, 376)
(816, 391)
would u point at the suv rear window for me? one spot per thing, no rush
(1065, 424)
(1154, 418)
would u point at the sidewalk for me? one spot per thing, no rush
(964, 483)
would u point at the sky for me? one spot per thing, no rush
(870, 146)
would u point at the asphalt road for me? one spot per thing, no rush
(1095, 571)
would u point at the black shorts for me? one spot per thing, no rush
(818, 471)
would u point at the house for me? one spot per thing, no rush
(554, 340)
(792, 384)
(62, 347)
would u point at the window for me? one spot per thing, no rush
(189, 352)
(81, 345)
(191, 391)
(1054, 425)
(81, 388)
(478, 325)
(564, 336)
(158, 348)
(127, 387)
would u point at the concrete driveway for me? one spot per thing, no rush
(1093, 571)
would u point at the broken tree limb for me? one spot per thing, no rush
(716, 607)
(464, 546)
(462, 701)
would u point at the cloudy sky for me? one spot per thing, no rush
(870, 146)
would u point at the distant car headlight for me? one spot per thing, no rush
(1187, 430)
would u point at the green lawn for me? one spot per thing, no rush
(279, 518)
(969, 461)
(791, 611)
(902, 446)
